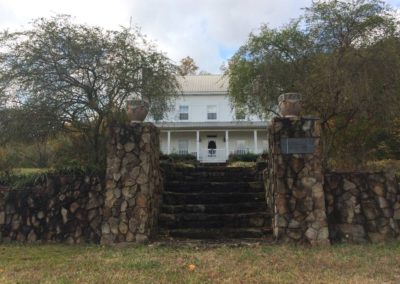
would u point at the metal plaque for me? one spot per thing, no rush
(297, 145)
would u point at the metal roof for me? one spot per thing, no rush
(203, 84)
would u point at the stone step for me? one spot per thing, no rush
(209, 233)
(214, 202)
(212, 178)
(201, 220)
(221, 208)
(211, 198)
(213, 187)
(222, 169)
(212, 174)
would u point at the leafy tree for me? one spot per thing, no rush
(84, 73)
(202, 72)
(187, 66)
(343, 56)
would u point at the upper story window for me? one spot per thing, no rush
(184, 112)
(212, 112)
(240, 114)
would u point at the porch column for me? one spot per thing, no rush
(198, 144)
(227, 143)
(255, 142)
(169, 143)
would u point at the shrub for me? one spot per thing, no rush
(247, 157)
(181, 158)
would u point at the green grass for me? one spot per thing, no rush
(29, 171)
(222, 264)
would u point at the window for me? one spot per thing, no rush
(183, 147)
(212, 112)
(240, 114)
(183, 112)
(158, 116)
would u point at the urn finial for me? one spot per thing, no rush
(289, 104)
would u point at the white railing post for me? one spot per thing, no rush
(169, 143)
(227, 143)
(198, 144)
(255, 142)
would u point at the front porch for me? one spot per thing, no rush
(213, 146)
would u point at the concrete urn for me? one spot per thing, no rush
(137, 110)
(290, 104)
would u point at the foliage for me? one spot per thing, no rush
(6, 164)
(28, 128)
(247, 157)
(55, 152)
(343, 56)
(84, 74)
(241, 164)
(179, 157)
(22, 177)
(384, 165)
(187, 66)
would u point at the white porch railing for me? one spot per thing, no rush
(182, 152)
(213, 155)
(242, 151)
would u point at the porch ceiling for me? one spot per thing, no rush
(245, 125)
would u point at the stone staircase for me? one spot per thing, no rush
(214, 202)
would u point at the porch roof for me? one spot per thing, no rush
(245, 125)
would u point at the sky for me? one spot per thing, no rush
(209, 31)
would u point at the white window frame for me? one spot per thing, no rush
(240, 114)
(211, 112)
(181, 113)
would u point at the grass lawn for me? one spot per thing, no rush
(185, 264)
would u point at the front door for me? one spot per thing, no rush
(212, 148)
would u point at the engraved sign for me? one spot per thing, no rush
(297, 145)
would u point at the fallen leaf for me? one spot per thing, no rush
(191, 267)
(1, 270)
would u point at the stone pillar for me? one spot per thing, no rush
(133, 184)
(294, 181)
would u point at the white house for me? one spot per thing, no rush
(204, 124)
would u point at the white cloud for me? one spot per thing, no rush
(201, 29)
(206, 30)
(109, 14)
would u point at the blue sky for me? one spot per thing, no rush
(210, 31)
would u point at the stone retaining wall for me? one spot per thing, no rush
(61, 209)
(363, 207)
(77, 209)
(311, 207)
